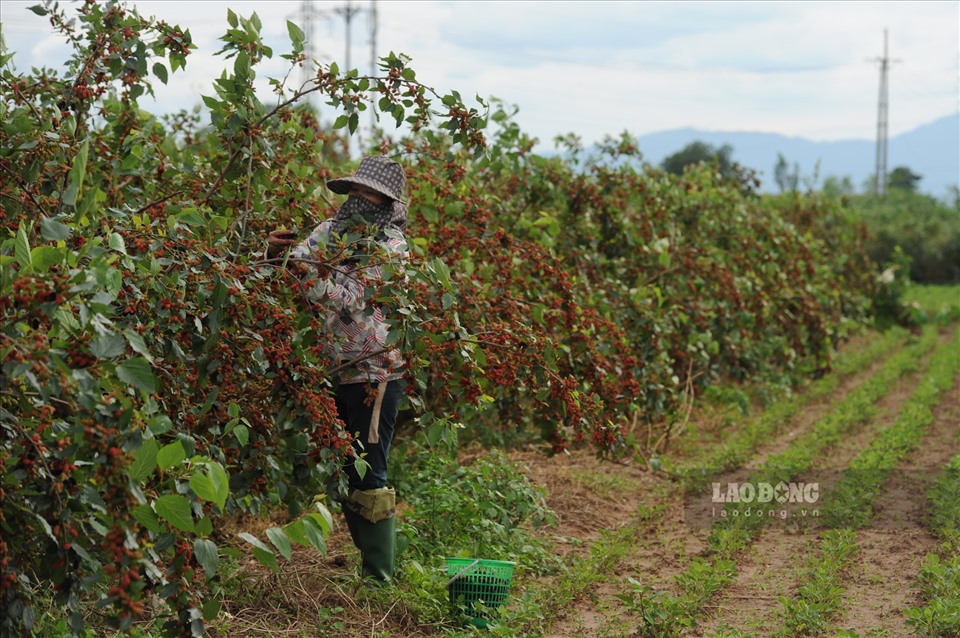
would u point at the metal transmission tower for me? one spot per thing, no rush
(306, 17)
(373, 36)
(882, 121)
(373, 59)
(347, 11)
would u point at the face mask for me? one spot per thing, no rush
(358, 210)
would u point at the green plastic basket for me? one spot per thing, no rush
(479, 587)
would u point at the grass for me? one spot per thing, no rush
(937, 302)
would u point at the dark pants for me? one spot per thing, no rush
(355, 407)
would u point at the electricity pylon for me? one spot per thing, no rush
(883, 108)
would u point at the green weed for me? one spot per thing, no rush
(939, 578)
(661, 614)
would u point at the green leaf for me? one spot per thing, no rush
(137, 343)
(221, 484)
(189, 217)
(138, 373)
(231, 18)
(160, 424)
(295, 531)
(40, 11)
(146, 517)
(296, 36)
(144, 461)
(22, 249)
(43, 257)
(322, 518)
(170, 455)
(263, 553)
(108, 346)
(206, 553)
(175, 509)
(341, 121)
(211, 609)
(280, 540)
(242, 434)
(314, 533)
(202, 486)
(241, 66)
(117, 244)
(52, 230)
(354, 122)
(256, 542)
(204, 527)
(160, 71)
(213, 485)
(77, 174)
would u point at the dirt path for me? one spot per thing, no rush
(593, 497)
(774, 563)
(588, 494)
(655, 561)
(772, 567)
(886, 411)
(881, 586)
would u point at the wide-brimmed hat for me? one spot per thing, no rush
(380, 173)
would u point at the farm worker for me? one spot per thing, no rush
(368, 394)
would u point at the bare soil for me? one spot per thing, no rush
(771, 568)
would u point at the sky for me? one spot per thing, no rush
(594, 68)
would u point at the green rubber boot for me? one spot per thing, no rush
(378, 553)
(377, 541)
(351, 519)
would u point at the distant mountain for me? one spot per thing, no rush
(931, 151)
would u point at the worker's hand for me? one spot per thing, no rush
(279, 240)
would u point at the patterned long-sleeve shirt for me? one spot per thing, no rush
(359, 328)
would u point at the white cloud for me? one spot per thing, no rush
(596, 68)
